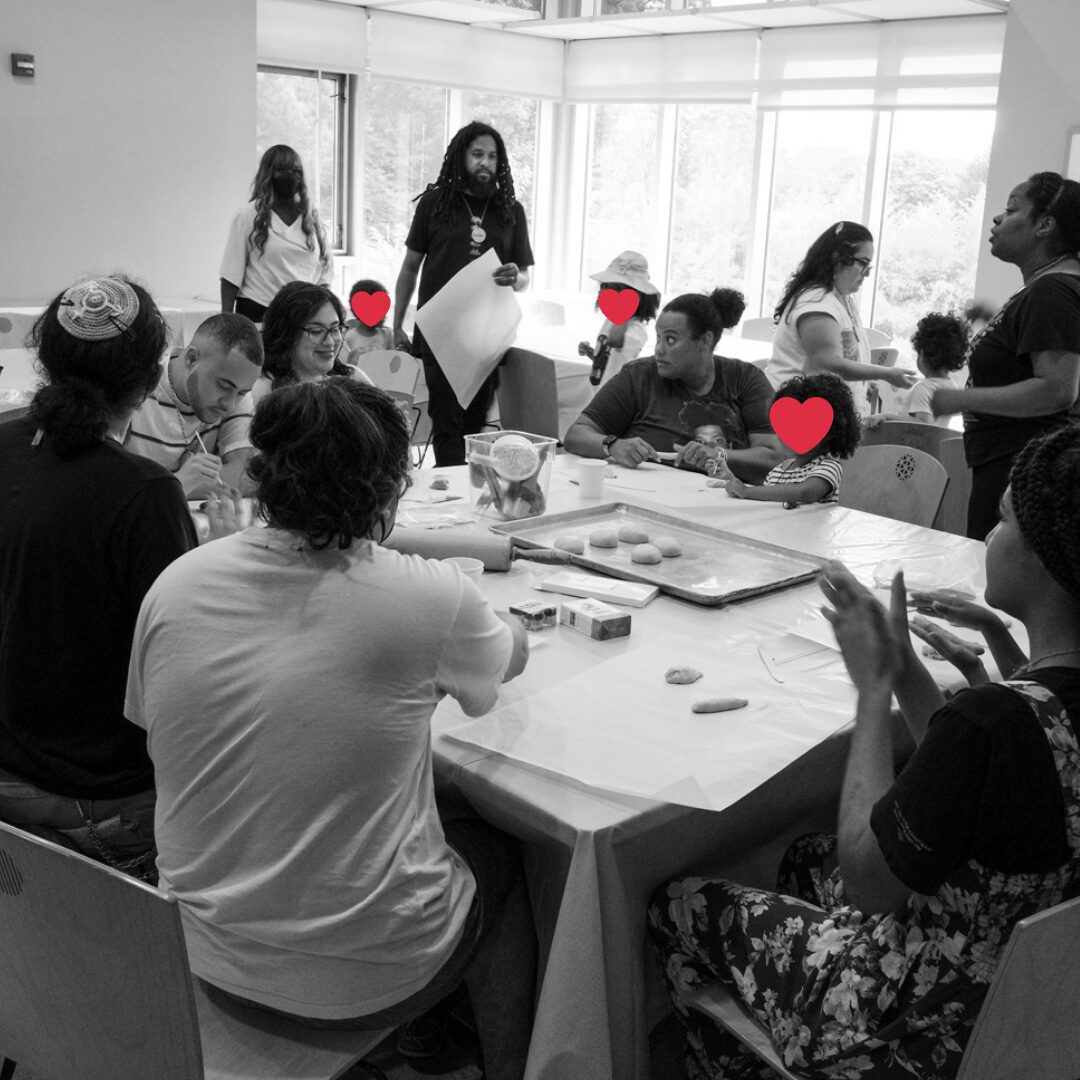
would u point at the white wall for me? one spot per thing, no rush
(1038, 103)
(132, 146)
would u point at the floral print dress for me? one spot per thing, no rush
(846, 995)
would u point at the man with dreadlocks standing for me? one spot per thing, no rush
(467, 210)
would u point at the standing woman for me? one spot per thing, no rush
(1024, 367)
(818, 329)
(275, 238)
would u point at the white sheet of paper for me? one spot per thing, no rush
(469, 323)
(620, 726)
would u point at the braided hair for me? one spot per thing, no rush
(453, 177)
(1045, 485)
(1058, 198)
(262, 195)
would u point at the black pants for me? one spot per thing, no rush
(988, 483)
(450, 423)
(253, 310)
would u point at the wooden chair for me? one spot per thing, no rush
(758, 329)
(99, 988)
(943, 444)
(894, 482)
(1027, 1025)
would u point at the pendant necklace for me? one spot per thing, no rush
(478, 234)
(1024, 669)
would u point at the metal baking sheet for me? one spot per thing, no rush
(716, 567)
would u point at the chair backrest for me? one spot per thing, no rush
(105, 991)
(878, 338)
(545, 312)
(389, 369)
(895, 482)
(885, 356)
(758, 329)
(527, 393)
(925, 437)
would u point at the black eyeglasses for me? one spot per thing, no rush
(866, 264)
(318, 334)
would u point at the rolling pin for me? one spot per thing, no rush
(494, 551)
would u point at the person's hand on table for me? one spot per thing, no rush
(631, 452)
(507, 274)
(696, 455)
(725, 478)
(946, 401)
(963, 655)
(901, 378)
(199, 474)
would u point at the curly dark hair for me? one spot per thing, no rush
(846, 431)
(836, 246)
(1045, 484)
(942, 340)
(280, 158)
(1059, 198)
(720, 310)
(283, 324)
(648, 303)
(332, 458)
(453, 178)
(89, 383)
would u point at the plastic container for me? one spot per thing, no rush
(510, 472)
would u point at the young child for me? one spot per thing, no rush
(814, 476)
(941, 345)
(616, 346)
(359, 337)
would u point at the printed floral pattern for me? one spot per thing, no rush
(887, 997)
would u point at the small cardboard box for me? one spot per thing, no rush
(595, 619)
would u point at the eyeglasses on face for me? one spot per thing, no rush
(866, 264)
(318, 334)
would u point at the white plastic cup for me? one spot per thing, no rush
(469, 566)
(591, 477)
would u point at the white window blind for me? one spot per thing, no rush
(298, 33)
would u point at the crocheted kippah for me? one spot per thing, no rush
(98, 309)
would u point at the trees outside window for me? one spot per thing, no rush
(515, 119)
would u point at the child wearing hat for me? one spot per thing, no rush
(617, 345)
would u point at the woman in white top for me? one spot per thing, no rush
(275, 238)
(303, 332)
(817, 321)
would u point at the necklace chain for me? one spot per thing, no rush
(1046, 266)
(1025, 668)
(472, 213)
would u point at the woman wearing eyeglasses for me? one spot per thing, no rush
(817, 320)
(303, 331)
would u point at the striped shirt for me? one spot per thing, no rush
(826, 467)
(164, 430)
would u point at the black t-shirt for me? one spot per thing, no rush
(81, 541)
(981, 785)
(1044, 317)
(447, 244)
(638, 403)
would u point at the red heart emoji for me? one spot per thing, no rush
(801, 425)
(370, 308)
(618, 306)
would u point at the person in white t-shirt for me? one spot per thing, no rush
(275, 238)
(817, 320)
(941, 346)
(286, 677)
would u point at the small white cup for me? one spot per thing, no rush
(591, 477)
(469, 566)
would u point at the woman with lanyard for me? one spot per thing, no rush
(275, 238)
(1024, 368)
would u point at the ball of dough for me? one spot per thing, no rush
(719, 704)
(668, 546)
(644, 553)
(573, 544)
(439, 483)
(603, 538)
(682, 675)
(633, 534)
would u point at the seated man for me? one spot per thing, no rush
(296, 820)
(685, 401)
(196, 421)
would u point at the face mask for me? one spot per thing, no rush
(287, 185)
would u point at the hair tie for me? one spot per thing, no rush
(98, 309)
(839, 228)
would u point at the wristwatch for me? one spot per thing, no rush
(607, 441)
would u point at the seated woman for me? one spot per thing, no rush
(297, 824)
(878, 966)
(85, 527)
(303, 332)
(685, 401)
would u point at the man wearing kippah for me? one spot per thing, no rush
(196, 421)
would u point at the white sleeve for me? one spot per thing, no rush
(234, 257)
(919, 398)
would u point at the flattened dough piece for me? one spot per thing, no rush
(668, 546)
(644, 553)
(633, 534)
(573, 544)
(604, 538)
(682, 675)
(718, 704)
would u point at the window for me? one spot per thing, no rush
(405, 139)
(306, 110)
(514, 118)
(710, 213)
